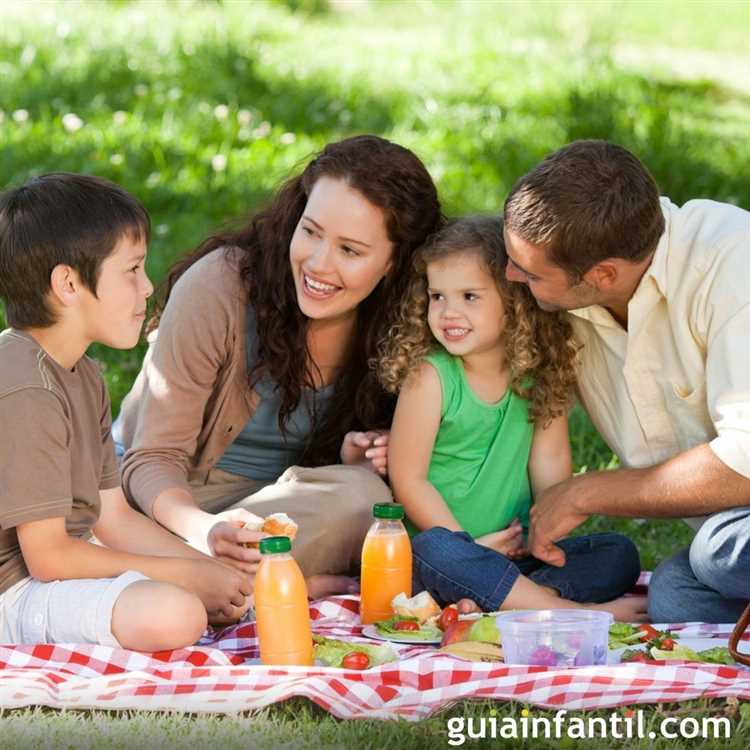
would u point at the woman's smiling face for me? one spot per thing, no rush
(339, 252)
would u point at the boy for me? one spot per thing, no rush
(72, 255)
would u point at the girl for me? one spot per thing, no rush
(257, 384)
(481, 427)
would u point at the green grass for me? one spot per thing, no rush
(299, 725)
(480, 90)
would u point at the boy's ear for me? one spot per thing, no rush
(64, 285)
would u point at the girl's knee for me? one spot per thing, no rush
(622, 555)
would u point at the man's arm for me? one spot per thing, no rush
(693, 483)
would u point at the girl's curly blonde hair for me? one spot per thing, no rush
(539, 346)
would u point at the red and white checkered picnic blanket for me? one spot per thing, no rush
(216, 676)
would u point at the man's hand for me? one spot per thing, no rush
(366, 449)
(226, 537)
(553, 516)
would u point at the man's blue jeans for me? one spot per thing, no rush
(710, 580)
(452, 566)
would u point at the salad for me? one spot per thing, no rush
(624, 635)
(335, 653)
(716, 655)
(408, 627)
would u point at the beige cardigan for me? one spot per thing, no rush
(191, 397)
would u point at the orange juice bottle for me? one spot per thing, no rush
(386, 563)
(281, 612)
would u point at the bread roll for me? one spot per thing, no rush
(277, 524)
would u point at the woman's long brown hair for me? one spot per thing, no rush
(390, 177)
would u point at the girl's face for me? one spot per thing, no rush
(466, 313)
(339, 251)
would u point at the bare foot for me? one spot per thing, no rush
(320, 586)
(625, 609)
(467, 607)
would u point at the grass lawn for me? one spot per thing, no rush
(202, 108)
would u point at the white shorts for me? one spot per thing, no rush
(74, 611)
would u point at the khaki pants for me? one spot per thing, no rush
(331, 504)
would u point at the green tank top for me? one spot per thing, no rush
(480, 460)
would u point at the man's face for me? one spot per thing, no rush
(550, 285)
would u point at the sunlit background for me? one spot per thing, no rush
(201, 108)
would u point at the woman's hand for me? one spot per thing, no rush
(508, 542)
(226, 539)
(366, 449)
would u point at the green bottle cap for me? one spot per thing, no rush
(274, 544)
(388, 510)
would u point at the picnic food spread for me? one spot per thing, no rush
(386, 563)
(553, 638)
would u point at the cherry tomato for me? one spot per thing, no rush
(356, 660)
(667, 644)
(406, 625)
(650, 633)
(638, 656)
(447, 617)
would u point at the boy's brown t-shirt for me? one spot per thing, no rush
(56, 449)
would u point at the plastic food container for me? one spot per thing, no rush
(555, 637)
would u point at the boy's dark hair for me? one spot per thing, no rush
(59, 218)
(589, 201)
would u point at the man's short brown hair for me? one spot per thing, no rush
(589, 201)
(62, 218)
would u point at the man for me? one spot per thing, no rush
(659, 298)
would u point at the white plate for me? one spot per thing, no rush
(696, 644)
(372, 632)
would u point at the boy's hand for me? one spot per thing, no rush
(508, 542)
(226, 537)
(366, 449)
(224, 590)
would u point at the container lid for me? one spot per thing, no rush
(388, 510)
(274, 544)
(545, 620)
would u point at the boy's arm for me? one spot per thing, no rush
(122, 528)
(415, 426)
(550, 460)
(51, 554)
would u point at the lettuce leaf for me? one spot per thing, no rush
(331, 651)
(388, 627)
(623, 634)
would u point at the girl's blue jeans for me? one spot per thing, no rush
(452, 566)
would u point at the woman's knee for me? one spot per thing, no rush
(156, 616)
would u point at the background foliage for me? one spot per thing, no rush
(200, 109)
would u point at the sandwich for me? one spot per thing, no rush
(422, 606)
(277, 524)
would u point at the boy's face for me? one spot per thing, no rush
(115, 316)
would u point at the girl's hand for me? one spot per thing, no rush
(508, 542)
(226, 539)
(366, 449)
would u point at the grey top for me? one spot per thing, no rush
(260, 451)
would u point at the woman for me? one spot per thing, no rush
(261, 365)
